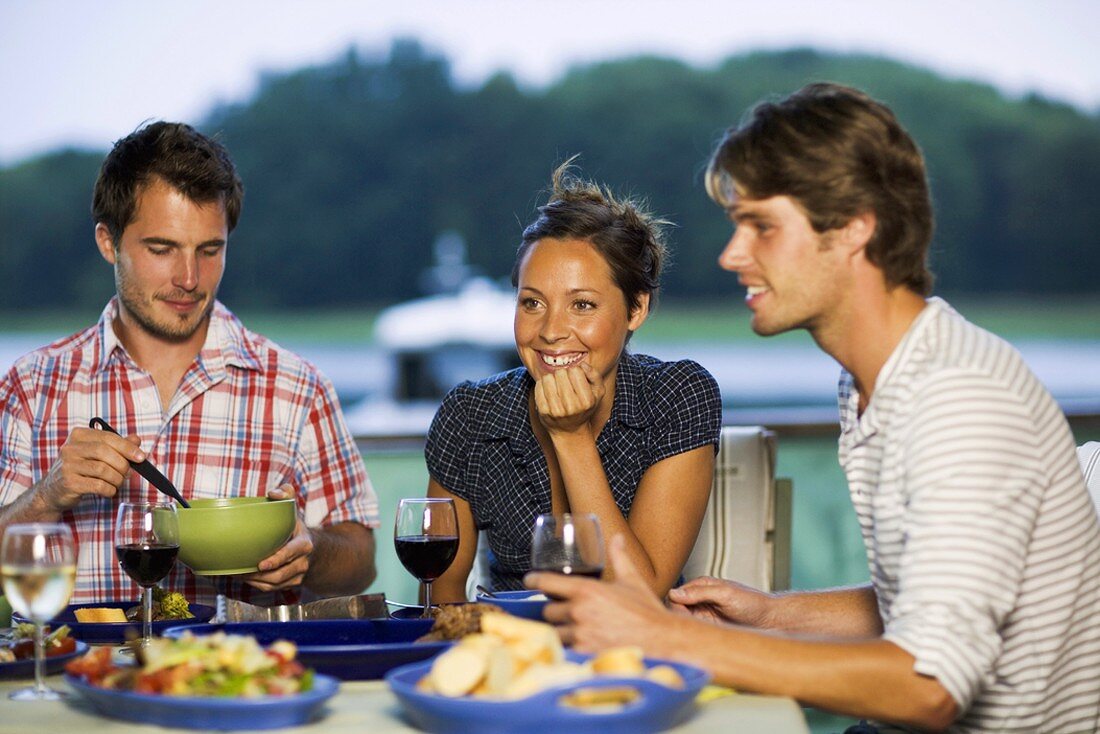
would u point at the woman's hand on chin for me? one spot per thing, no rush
(566, 400)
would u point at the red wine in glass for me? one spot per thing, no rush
(425, 536)
(592, 572)
(426, 556)
(147, 541)
(569, 544)
(147, 563)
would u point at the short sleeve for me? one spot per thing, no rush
(331, 472)
(448, 448)
(687, 407)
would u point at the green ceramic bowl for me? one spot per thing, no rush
(5, 612)
(231, 535)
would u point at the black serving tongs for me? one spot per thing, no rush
(144, 468)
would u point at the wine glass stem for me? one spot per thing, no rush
(146, 615)
(427, 599)
(39, 660)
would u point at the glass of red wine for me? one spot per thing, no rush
(569, 544)
(147, 541)
(425, 536)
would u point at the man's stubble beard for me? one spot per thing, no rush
(179, 331)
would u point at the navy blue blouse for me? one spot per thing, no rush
(481, 446)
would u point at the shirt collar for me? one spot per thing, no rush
(508, 417)
(909, 346)
(227, 342)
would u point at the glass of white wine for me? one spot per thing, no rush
(38, 568)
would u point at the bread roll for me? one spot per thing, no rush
(666, 675)
(624, 661)
(530, 642)
(459, 670)
(540, 677)
(606, 699)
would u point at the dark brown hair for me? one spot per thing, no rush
(195, 165)
(838, 153)
(629, 239)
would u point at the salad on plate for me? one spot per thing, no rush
(21, 644)
(217, 665)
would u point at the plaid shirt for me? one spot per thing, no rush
(248, 416)
(481, 446)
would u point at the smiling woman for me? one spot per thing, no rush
(584, 426)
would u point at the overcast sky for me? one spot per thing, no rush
(84, 73)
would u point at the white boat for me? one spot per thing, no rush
(436, 342)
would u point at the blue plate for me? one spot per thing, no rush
(349, 649)
(55, 664)
(657, 708)
(194, 712)
(518, 603)
(115, 633)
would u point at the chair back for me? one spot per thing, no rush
(745, 535)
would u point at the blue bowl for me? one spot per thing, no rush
(207, 712)
(518, 603)
(657, 709)
(116, 633)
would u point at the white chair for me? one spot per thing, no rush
(746, 533)
(1089, 456)
(479, 572)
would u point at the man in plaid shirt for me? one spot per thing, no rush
(221, 410)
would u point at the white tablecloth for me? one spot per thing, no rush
(368, 707)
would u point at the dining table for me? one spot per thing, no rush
(369, 706)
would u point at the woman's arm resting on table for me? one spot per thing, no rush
(867, 678)
(451, 586)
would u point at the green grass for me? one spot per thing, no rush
(316, 325)
(329, 326)
(48, 321)
(1013, 318)
(725, 320)
(1036, 318)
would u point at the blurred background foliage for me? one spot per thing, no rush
(353, 168)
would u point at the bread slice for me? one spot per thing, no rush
(100, 614)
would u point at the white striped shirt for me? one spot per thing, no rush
(983, 544)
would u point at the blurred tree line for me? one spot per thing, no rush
(353, 168)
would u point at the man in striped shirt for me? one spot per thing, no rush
(221, 410)
(983, 611)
